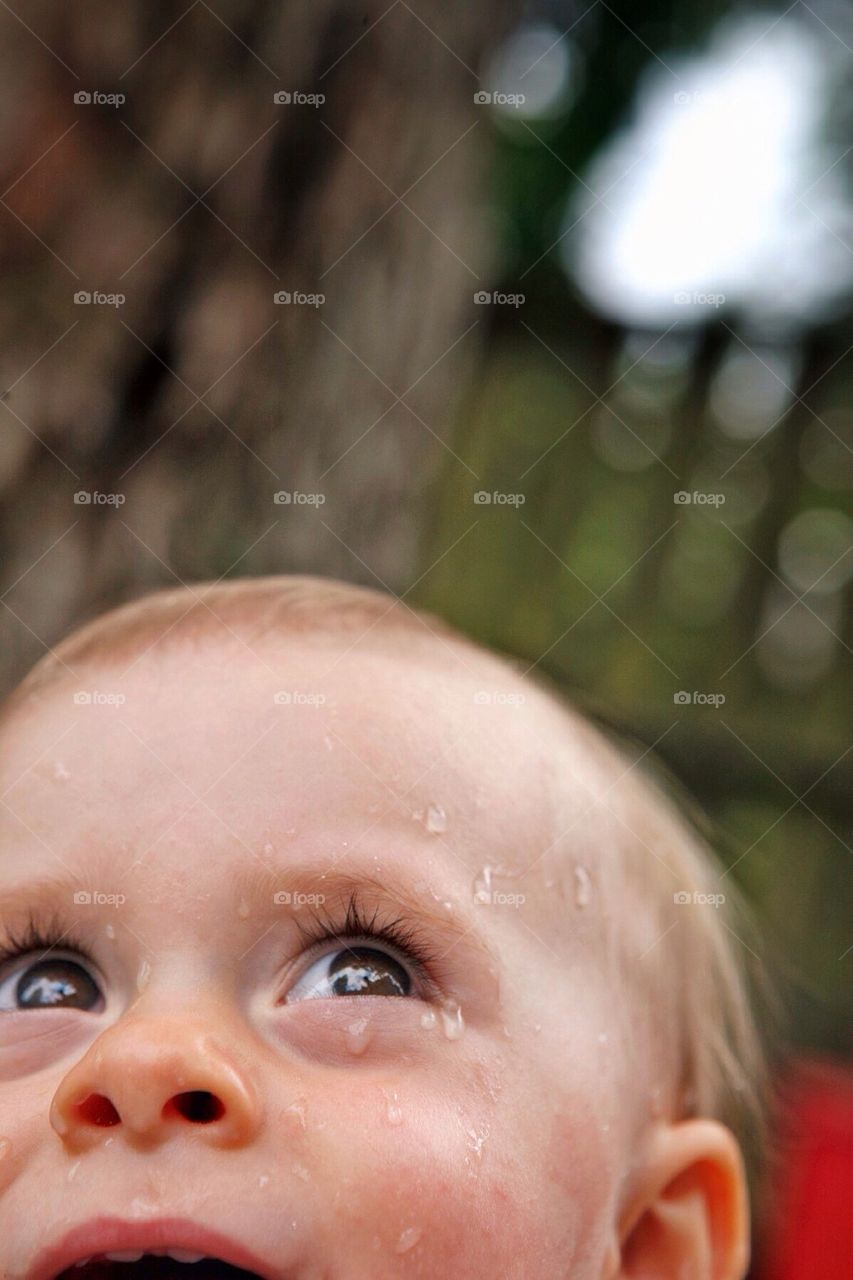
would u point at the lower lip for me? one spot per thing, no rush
(111, 1235)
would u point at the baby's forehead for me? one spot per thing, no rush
(320, 729)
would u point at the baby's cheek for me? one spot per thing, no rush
(438, 1185)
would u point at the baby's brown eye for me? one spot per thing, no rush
(369, 972)
(352, 971)
(53, 984)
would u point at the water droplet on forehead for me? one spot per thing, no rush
(408, 1239)
(436, 819)
(583, 887)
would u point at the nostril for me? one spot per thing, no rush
(198, 1105)
(98, 1110)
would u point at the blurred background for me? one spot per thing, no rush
(539, 315)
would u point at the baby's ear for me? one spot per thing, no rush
(688, 1215)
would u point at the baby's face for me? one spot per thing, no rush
(342, 998)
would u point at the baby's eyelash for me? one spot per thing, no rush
(396, 932)
(39, 933)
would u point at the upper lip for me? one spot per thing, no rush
(106, 1235)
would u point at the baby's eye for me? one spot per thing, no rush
(49, 983)
(352, 971)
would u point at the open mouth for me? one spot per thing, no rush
(177, 1264)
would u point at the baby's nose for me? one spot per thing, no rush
(154, 1079)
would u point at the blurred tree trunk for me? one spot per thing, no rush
(199, 198)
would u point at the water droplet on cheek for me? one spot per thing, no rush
(72, 1172)
(393, 1111)
(60, 773)
(110, 931)
(301, 1172)
(143, 976)
(5, 1148)
(428, 1020)
(408, 1239)
(243, 909)
(583, 887)
(263, 1179)
(358, 1036)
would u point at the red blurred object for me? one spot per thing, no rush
(811, 1227)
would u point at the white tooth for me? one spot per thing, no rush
(83, 1261)
(184, 1255)
(125, 1255)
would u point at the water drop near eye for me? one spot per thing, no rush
(358, 1036)
(452, 1021)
